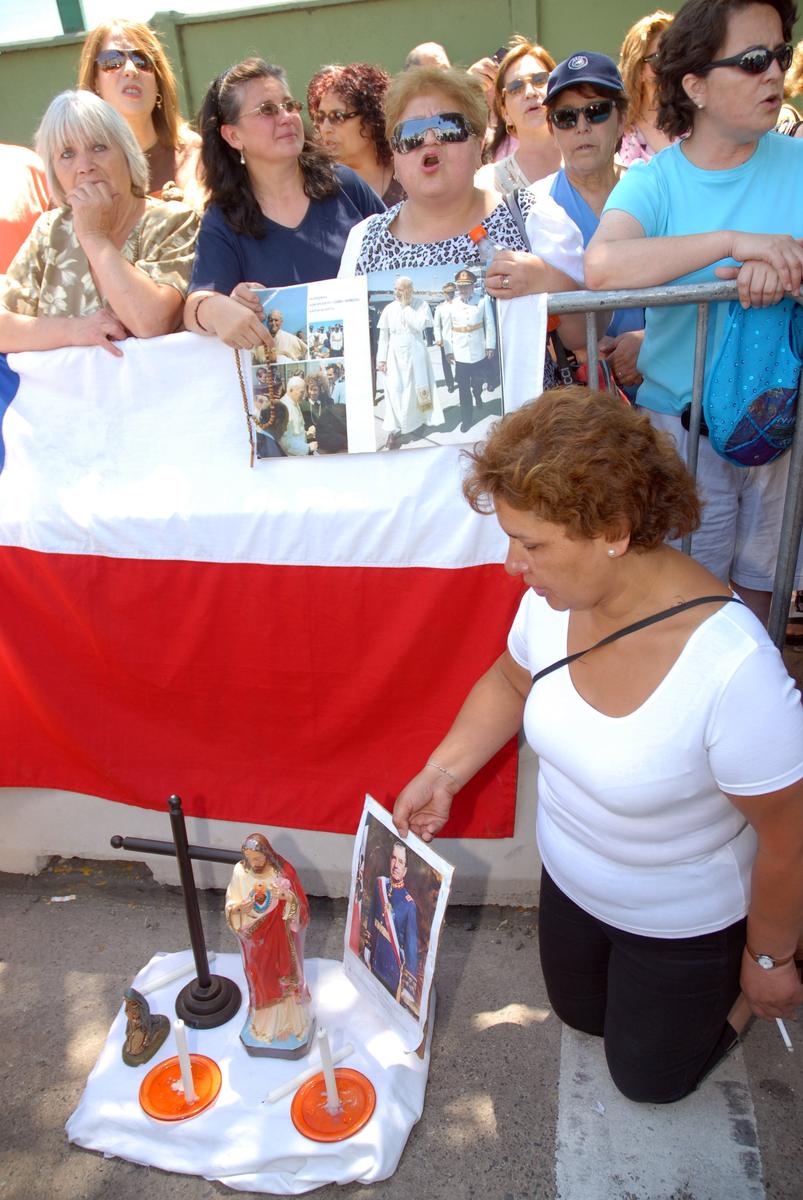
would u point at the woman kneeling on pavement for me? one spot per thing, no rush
(670, 740)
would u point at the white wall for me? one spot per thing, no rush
(39, 823)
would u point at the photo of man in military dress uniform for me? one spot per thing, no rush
(471, 342)
(392, 947)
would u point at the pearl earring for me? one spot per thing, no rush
(611, 553)
(242, 159)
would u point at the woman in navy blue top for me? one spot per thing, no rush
(279, 211)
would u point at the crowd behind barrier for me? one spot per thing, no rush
(668, 731)
(702, 295)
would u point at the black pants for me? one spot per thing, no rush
(660, 1003)
(469, 382)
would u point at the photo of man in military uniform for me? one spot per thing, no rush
(471, 343)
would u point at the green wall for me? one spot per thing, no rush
(302, 36)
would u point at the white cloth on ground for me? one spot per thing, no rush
(240, 1141)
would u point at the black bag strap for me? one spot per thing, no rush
(642, 624)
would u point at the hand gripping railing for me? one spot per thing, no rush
(703, 295)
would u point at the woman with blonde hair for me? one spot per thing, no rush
(125, 64)
(518, 106)
(642, 137)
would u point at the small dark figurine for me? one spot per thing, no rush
(144, 1034)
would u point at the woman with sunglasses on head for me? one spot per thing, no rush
(109, 262)
(722, 204)
(435, 123)
(279, 210)
(346, 107)
(642, 137)
(518, 106)
(125, 64)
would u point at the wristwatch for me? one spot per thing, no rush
(767, 962)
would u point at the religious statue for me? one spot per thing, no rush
(268, 911)
(144, 1032)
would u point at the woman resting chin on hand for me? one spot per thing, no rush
(109, 263)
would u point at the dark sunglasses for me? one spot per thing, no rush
(335, 118)
(650, 58)
(596, 114)
(536, 80)
(113, 60)
(757, 59)
(268, 109)
(446, 127)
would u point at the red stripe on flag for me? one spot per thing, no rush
(268, 694)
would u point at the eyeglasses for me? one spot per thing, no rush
(536, 80)
(336, 117)
(113, 60)
(757, 59)
(446, 128)
(268, 109)
(596, 114)
(649, 59)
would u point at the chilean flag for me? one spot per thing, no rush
(270, 643)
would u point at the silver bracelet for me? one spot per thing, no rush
(444, 771)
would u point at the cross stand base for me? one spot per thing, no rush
(208, 1000)
(206, 1008)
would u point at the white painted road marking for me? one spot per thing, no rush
(702, 1148)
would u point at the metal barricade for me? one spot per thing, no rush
(703, 295)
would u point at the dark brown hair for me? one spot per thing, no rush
(690, 44)
(584, 460)
(226, 178)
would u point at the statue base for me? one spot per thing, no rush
(291, 1047)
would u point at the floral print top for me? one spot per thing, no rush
(50, 275)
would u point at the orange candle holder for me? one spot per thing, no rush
(161, 1095)
(313, 1119)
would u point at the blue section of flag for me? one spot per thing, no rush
(9, 383)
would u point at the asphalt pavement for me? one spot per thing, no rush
(516, 1108)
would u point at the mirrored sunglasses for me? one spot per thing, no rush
(268, 109)
(757, 59)
(538, 79)
(446, 127)
(595, 113)
(336, 117)
(114, 60)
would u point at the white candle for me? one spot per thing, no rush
(184, 1062)
(160, 981)
(332, 1097)
(285, 1089)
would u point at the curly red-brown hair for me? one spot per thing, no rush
(363, 88)
(584, 460)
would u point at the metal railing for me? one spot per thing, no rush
(703, 295)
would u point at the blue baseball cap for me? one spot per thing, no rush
(586, 66)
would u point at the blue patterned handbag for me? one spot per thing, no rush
(750, 399)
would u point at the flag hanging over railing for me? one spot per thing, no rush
(270, 643)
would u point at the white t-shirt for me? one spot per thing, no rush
(633, 823)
